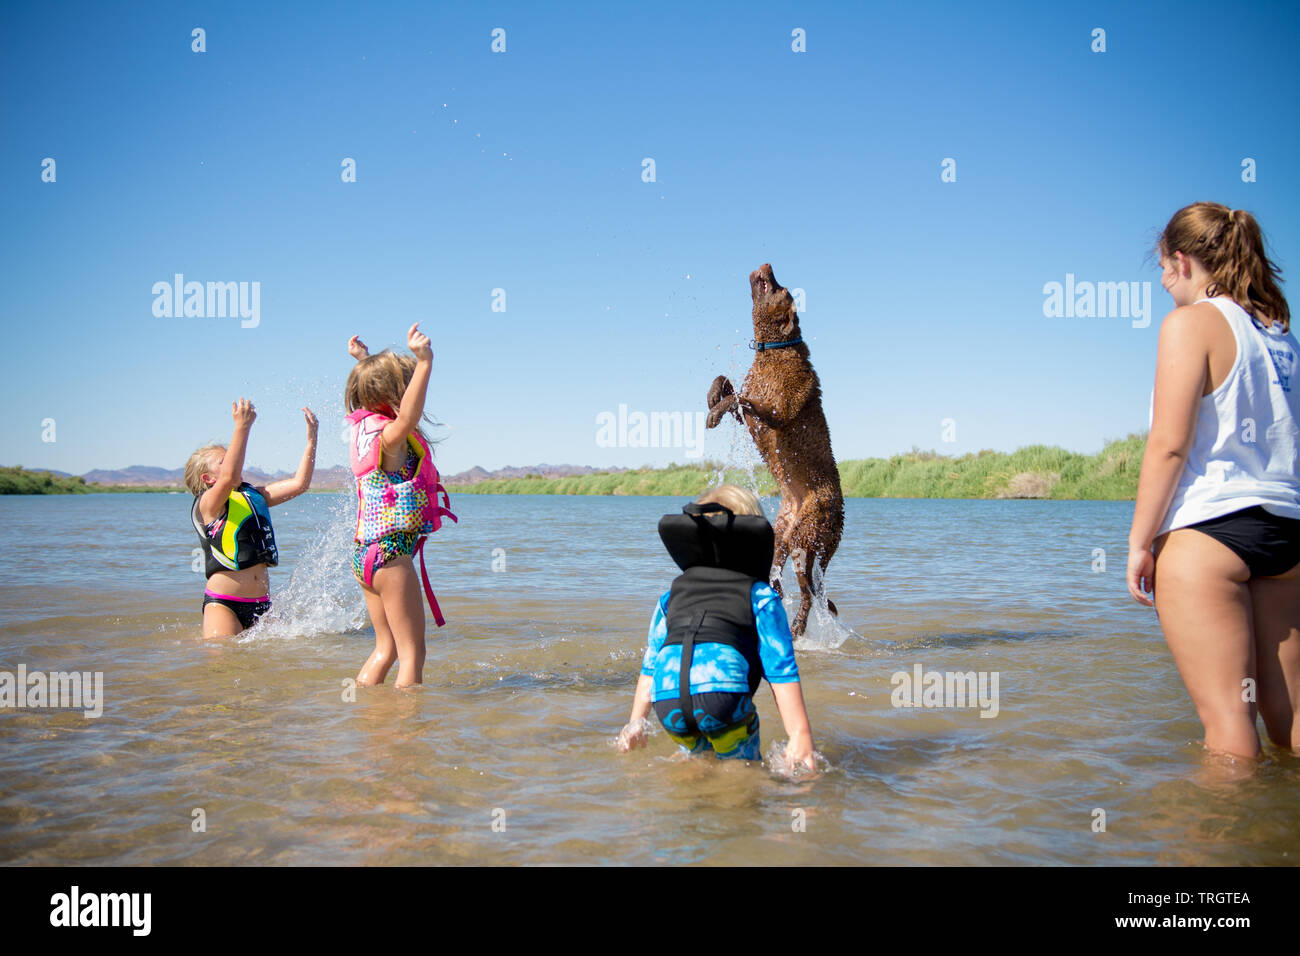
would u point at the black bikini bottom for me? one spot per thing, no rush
(1268, 544)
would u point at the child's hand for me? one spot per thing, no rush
(632, 735)
(312, 424)
(799, 751)
(243, 413)
(357, 349)
(418, 343)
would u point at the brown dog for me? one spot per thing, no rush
(781, 402)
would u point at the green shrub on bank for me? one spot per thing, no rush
(1036, 471)
(675, 480)
(19, 481)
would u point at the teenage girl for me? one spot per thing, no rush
(398, 492)
(1219, 493)
(234, 526)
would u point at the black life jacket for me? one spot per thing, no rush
(721, 555)
(242, 537)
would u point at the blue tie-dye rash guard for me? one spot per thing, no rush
(720, 668)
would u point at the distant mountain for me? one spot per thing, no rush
(148, 475)
(137, 475)
(477, 474)
(339, 476)
(471, 477)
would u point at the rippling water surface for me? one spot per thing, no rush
(505, 756)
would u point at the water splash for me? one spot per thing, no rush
(634, 733)
(824, 632)
(742, 455)
(322, 596)
(781, 765)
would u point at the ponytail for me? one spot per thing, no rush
(1230, 245)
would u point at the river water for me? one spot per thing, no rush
(252, 752)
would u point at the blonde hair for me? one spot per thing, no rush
(737, 500)
(378, 382)
(199, 463)
(1230, 244)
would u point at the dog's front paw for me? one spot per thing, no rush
(715, 416)
(719, 390)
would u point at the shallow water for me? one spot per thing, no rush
(505, 756)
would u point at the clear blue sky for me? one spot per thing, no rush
(522, 171)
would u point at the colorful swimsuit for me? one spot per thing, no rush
(401, 544)
(398, 543)
(396, 511)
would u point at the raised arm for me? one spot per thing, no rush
(357, 349)
(278, 492)
(232, 466)
(412, 407)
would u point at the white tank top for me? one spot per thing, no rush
(1246, 450)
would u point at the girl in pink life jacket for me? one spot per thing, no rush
(399, 501)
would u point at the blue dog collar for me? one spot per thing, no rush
(764, 346)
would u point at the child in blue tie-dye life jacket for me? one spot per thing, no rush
(716, 633)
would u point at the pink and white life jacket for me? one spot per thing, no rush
(385, 507)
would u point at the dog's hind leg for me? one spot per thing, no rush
(828, 529)
(801, 566)
(816, 539)
(819, 584)
(830, 544)
(778, 565)
(810, 568)
(782, 531)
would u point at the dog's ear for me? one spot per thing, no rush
(791, 321)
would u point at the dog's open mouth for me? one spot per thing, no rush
(762, 283)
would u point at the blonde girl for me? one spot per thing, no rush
(398, 492)
(233, 523)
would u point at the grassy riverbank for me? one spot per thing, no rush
(20, 481)
(1036, 471)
